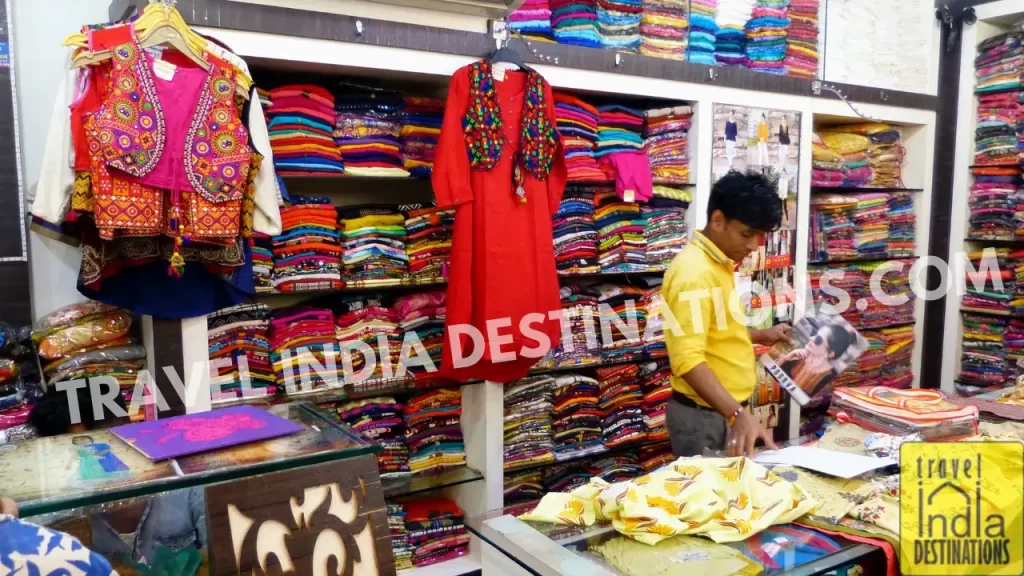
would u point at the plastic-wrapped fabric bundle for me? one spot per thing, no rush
(902, 240)
(421, 128)
(993, 292)
(575, 22)
(576, 417)
(527, 423)
(730, 39)
(664, 28)
(832, 227)
(666, 144)
(618, 23)
(703, 31)
(802, 39)
(400, 547)
(993, 201)
(367, 129)
(828, 169)
(899, 350)
(532, 18)
(766, 33)
(982, 357)
(905, 412)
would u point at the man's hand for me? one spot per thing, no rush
(744, 434)
(7, 506)
(773, 335)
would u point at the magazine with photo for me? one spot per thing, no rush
(823, 346)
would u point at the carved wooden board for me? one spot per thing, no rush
(321, 520)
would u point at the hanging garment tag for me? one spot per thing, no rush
(164, 70)
(629, 195)
(498, 71)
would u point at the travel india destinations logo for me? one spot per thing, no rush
(961, 508)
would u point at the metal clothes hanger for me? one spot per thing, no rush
(502, 52)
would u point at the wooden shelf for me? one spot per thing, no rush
(856, 260)
(858, 190)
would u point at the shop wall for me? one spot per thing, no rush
(39, 28)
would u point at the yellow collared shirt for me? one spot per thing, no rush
(714, 337)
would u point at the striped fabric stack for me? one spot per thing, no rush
(532, 18)
(577, 123)
(703, 30)
(664, 28)
(802, 39)
(301, 125)
(575, 22)
(766, 37)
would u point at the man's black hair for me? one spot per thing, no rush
(749, 198)
(51, 416)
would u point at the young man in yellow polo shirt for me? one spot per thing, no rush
(711, 350)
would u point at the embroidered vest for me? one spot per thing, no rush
(482, 124)
(133, 134)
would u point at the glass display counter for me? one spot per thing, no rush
(517, 547)
(256, 508)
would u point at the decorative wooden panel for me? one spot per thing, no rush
(325, 519)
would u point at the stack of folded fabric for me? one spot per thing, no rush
(433, 431)
(575, 22)
(617, 468)
(400, 547)
(666, 143)
(1013, 341)
(307, 253)
(902, 240)
(428, 241)
(20, 382)
(855, 282)
(654, 330)
(437, 530)
(654, 456)
(78, 342)
(655, 377)
(527, 423)
(424, 314)
(379, 420)
(577, 124)
(766, 36)
(1015, 261)
(832, 227)
(239, 333)
(580, 305)
(703, 31)
(373, 243)
(853, 151)
(802, 39)
(620, 233)
(993, 201)
(869, 366)
(899, 350)
(998, 90)
(367, 128)
(665, 230)
(885, 155)
(302, 338)
(621, 402)
(576, 417)
(301, 128)
(421, 128)
(263, 262)
(982, 358)
(622, 309)
(567, 476)
(871, 234)
(827, 166)
(366, 320)
(524, 486)
(730, 39)
(532, 18)
(993, 291)
(664, 28)
(618, 23)
(998, 62)
(574, 232)
(619, 129)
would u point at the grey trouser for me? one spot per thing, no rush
(692, 429)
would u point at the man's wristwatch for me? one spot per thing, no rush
(732, 419)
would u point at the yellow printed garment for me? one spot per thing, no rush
(725, 499)
(690, 553)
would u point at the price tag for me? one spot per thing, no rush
(164, 70)
(628, 196)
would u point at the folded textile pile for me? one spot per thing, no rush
(998, 62)
(621, 402)
(853, 154)
(620, 233)
(307, 252)
(428, 241)
(527, 422)
(577, 124)
(899, 350)
(421, 128)
(576, 417)
(424, 314)
(619, 129)
(622, 309)
(616, 468)
(982, 357)
(78, 342)
(665, 229)
(730, 39)
(993, 291)
(703, 31)
(654, 456)
(263, 262)
(436, 529)
(654, 330)
(998, 87)
(580, 305)
(993, 201)
(433, 431)
(871, 233)
(885, 154)
(301, 338)
(20, 381)
(566, 476)
(575, 22)
(400, 547)
(827, 165)
(366, 320)
(1015, 262)
(802, 39)
(367, 128)
(373, 243)
(655, 378)
(832, 227)
(766, 33)
(905, 412)
(902, 241)
(301, 128)
(664, 28)
(867, 373)
(618, 23)
(1013, 341)
(240, 333)
(379, 420)
(532, 18)
(666, 143)
(574, 232)
(524, 486)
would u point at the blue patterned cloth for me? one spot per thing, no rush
(29, 549)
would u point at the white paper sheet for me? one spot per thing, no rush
(840, 464)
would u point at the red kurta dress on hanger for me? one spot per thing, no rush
(500, 163)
